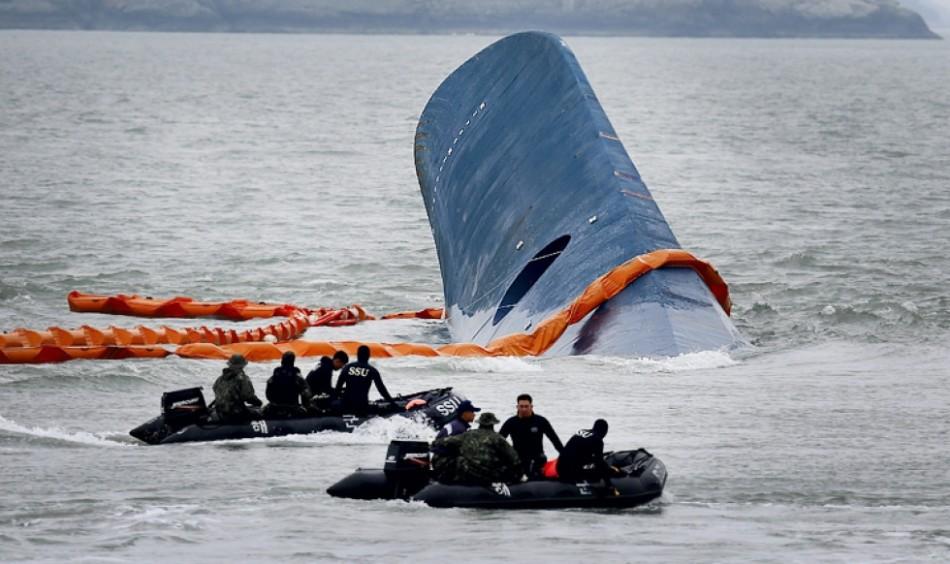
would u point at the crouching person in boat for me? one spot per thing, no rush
(582, 458)
(287, 391)
(233, 392)
(483, 456)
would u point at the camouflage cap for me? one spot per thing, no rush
(488, 418)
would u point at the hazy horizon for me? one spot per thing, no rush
(669, 18)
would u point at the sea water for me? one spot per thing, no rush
(815, 175)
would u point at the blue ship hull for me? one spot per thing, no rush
(531, 196)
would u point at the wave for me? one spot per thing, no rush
(181, 516)
(804, 502)
(111, 439)
(111, 374)
(685, 362)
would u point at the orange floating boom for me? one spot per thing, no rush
(121, 304)
(25, 346)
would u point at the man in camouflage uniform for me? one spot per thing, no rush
(233, 391)
(483, 457)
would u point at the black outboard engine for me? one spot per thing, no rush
(183, 407)
(407, 467)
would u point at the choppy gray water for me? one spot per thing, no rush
(814, 174)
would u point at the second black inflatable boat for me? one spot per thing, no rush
(406, 477)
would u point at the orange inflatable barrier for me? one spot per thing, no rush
(54, 353)
(91, 336)
(121, 304)
(55, 345)
(428, 313)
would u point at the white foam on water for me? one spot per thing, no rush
(396, 428)
(505, 364)
(379, 431)
(379, 331)
(171, 516)
(79, 437)
(691, 361)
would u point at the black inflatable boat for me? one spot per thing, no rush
(186, 418)
(406, 476)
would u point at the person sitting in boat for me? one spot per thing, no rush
(464, 415)
(340, 359)
(484, 458)
(320, 382)
(582, 458)
(527, 430)
(287, 391)
(233, 391)
(445, 453)
(352, 387)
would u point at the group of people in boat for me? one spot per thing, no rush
(291, 395)
(460, 454)
(482, 456)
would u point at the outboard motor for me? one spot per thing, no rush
(407, 467)
(183, 407)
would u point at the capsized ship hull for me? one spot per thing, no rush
(531, 196)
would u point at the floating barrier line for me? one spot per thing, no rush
(180, 306)
(87, 335)
(57, 345)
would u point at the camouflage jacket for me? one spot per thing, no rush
(231, 391)
(484, 458)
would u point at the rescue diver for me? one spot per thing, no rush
(320, 379)
(527, 430)
(484, 458)
(352, 387)
(287, 391)
(233, 391)
(582, 458)
(320, 382)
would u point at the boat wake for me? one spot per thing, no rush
(56, 434)
(378, 431)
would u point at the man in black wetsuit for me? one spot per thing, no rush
(352, 388)
(582, 458)
(527, 430)
(320, 382)
(320, 379)
(287, 391)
